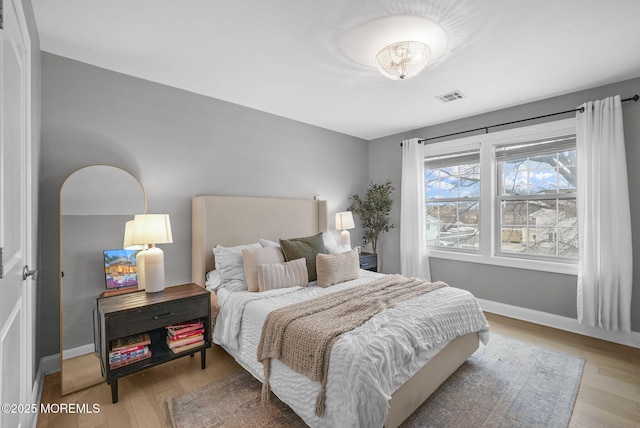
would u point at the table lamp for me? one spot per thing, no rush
(149, 230)
(344, 221)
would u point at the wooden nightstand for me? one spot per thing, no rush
(140, 312)
(369, 261)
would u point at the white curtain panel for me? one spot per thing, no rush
(604, 218)
(413, 236)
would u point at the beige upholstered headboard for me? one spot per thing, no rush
(237, 220)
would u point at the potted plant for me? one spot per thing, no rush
(374, 210)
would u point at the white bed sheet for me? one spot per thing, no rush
(367, 364)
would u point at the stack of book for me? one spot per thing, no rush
(128, 350)
(185, 336)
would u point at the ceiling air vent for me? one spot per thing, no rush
(451, 96)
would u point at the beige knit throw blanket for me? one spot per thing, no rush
(302, 335)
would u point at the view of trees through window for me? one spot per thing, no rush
(537, 196)
(535, 200)
(452, 186)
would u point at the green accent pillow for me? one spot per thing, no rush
(307, 247)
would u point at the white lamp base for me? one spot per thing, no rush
(140, 268)
(154, 270)
(345, 238)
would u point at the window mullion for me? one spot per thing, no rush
(488, 188)
(538, 197)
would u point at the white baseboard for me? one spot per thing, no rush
(36, 393)
(562, 323)
(89, 348)
(49, 364)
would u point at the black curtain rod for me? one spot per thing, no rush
(486, 128)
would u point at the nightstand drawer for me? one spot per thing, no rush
(369, 261)
(156, 316)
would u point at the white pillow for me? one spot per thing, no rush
(268, 243)
(338, 249)
(329, 239)
(283, 275)
(213, 281)
(332, 245)
(229, 262)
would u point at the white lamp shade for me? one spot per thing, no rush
(128, 237)
(344, 220)
(151, 229)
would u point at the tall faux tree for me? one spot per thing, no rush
(374, 211)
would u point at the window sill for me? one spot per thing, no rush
(539, 265)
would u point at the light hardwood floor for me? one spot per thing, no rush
(609, 394)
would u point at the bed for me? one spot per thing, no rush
(388, 384)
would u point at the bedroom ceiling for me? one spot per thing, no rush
(298, 59)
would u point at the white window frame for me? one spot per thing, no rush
(489, 210)
(465, 148)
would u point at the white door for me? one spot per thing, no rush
(16, 294)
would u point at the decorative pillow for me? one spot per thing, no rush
(229, 262)
(259, 256)
(335, 268)
(327, 237)
(283, 275)
(307, 247)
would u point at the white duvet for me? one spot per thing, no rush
(367, 364)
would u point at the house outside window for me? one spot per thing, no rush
(505, 198)
(537, 197)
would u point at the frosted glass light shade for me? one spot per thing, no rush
(403, 60)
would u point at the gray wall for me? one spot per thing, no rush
(178, 144)
(542, 291)
(85, 237)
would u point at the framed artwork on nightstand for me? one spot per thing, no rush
(120, 269)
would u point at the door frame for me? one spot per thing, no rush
(28, 194)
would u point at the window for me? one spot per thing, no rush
(505, 198)
(452, 196)
(537, 197)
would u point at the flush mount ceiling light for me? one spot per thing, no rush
(403, 60)
(363, 42)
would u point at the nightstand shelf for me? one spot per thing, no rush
(125, 315)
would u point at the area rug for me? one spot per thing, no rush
(508, 383)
